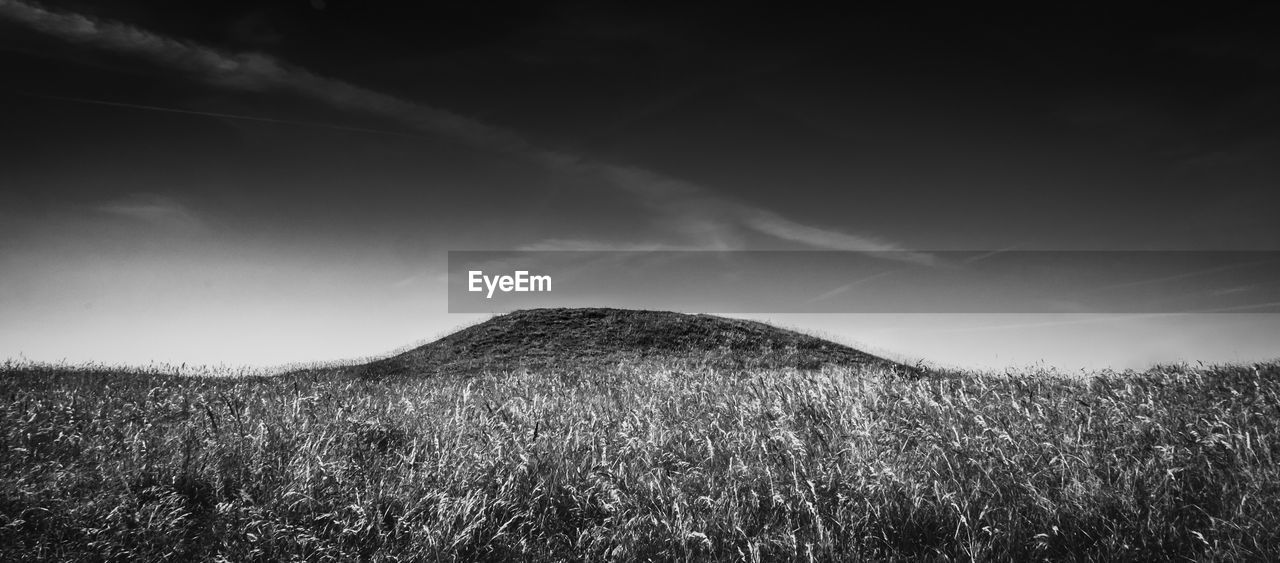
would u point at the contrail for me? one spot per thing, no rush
(242, 117)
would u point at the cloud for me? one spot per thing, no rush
(1232, 290)
(155, 210)
(990, 254)
(555, 244)
(846, 287)
(252, 71)
(1185, 275)
(771, 223)
(703, 217)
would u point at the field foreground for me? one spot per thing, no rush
(641, 460)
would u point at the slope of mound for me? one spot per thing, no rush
(541, 338)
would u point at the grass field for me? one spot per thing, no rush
(641, 460)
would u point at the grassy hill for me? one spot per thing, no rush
(576, 338)
(656, 456)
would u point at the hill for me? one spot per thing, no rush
(543, 338)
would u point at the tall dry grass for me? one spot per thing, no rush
(641, 461)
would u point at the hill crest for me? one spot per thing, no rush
(551, 338)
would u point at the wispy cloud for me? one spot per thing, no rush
(991, 254)
(253, 72)
(155, 210)
(1232, 290)
(1109, 318)
(773, 224)
(602, 246)
(696, 213)
(846, 287)
(1185, 275)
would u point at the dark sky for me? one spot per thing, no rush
(256, 182)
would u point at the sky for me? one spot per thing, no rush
(253, 183)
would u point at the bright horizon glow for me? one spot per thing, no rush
(141, 284)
